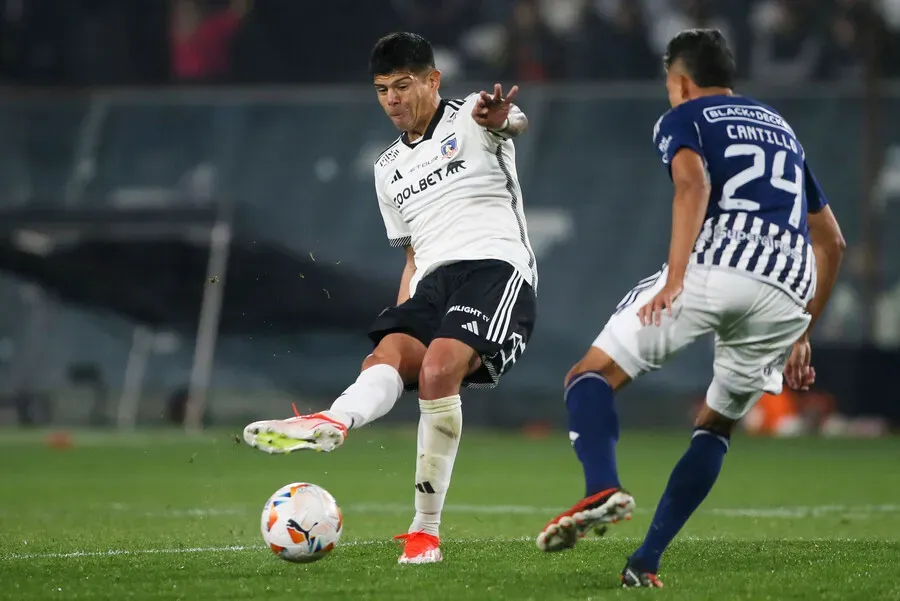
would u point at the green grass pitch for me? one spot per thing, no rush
(163, 516)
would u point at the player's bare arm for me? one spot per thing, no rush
(409, 270)
(828, 245)
(499, 114)
(688, 211)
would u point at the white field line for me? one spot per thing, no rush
(351, 543)
(172, 551)
(236, 548)
(780, 512)
(812, 511)
(859, 511)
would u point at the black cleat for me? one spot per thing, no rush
(632, 577)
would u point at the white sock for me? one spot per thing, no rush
(370, 397)
(440, 425)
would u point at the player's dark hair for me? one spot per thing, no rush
(401, 51)
(706, 57)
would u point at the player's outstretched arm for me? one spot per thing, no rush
(409, 270)
(688, 210)
(499, 114)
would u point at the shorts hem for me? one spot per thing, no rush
(376, 336)
(625, 359)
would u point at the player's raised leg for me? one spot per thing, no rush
(396, 359)
(594, 432)
(446, 363)
(623, 351)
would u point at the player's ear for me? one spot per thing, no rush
(434, 79)
(685, 85)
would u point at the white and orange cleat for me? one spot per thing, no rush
(594, 512)
(316, 432)
(419, 547)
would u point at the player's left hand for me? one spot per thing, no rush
(491, 111)
(798, 373)
(652, 312)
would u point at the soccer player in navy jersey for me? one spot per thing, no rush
(754, 254)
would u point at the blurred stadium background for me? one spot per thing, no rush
(189, 234)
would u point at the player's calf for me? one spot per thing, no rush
(593, 431)
(595, 512)
(691, 481)
(440, 427)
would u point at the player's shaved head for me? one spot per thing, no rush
(401, 51)
(704, 56)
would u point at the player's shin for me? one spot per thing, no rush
(690, 483)
(594, 430)
(373, 395)
(440, 426)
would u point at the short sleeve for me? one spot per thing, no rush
(397, 230)
(815, 198)
(676, 130)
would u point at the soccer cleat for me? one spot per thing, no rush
(419, 547)
(596, 511)
(632, 577)
(316, 432)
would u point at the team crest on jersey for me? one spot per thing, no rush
(449, 148)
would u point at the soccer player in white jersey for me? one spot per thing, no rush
(753, 256)
(449, 195)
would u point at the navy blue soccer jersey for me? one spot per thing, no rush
(761, 189)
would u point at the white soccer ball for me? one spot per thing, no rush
(301, 522)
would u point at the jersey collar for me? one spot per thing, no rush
(438, 115)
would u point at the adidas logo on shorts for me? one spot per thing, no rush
(472, 326)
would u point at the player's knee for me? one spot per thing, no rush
(440, 376)
(403, 353)
(710, 419)
(381, 358)
(599, 362)
(443, 368)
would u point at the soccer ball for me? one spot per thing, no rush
(301, 522)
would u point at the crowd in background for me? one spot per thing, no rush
(116, 42)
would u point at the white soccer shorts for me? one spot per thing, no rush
(755, 326)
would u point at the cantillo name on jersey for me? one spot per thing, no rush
(454, 194)
(761, 189)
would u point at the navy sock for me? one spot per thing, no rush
(594, 430)
(690, 482)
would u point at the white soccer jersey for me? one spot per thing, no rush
(454, 194)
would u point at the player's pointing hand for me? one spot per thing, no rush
(491, 111)
(652, 312)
